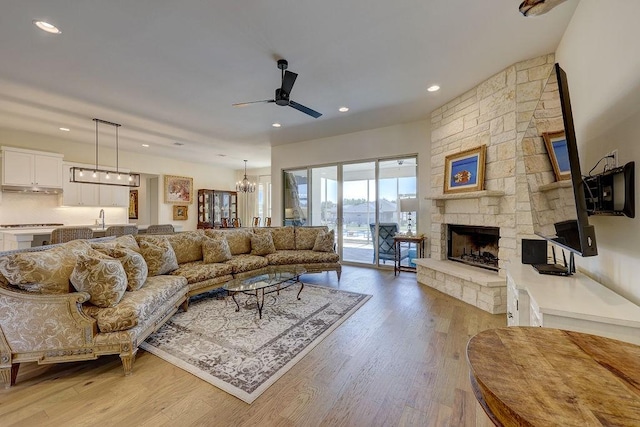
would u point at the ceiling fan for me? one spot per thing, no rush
(283, 92)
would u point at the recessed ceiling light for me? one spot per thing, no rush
(145, 145)
(433, 88)
(276, 125)
(45, 26)
(343, 109)
(65, 129)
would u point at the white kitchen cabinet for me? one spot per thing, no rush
(113, 195)
(28, 168)
(576, 303)
(77, 194)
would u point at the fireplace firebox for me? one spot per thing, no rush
(473, 245)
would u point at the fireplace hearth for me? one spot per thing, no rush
(473, 245)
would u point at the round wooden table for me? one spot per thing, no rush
(526, 376)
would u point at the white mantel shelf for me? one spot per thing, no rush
(491, 199)
(467, 195)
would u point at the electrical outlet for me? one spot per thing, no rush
(614, 161)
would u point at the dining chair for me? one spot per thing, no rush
(65, 234)
(224, 222)
(267, 221)
(235, 223)
(256, 221)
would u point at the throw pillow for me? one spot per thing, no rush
(159, 255)
(187, 245)
(102, 277)
(133, 263)
(215, 250)
(262, 244)
(45, 271)
(128, 241)
(324, 241)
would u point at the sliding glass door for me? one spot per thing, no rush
(361, 201)
(358, 211)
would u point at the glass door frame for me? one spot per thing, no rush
(340, 219)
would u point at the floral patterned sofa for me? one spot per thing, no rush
(87, 298)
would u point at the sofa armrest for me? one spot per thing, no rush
(42, 323)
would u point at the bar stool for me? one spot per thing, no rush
(160, 229)
(121, 230)
(65, 234)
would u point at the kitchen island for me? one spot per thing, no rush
(26, 237)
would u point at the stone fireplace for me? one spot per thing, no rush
(473, 245)
(496, 113)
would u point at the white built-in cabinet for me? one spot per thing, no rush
(76, 194)
(29, 168)
(576, 303)
(83, 194)
(112, 195)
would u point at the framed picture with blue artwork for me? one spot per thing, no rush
(556, 143)
(464, 171)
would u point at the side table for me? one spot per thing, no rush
(398, 241)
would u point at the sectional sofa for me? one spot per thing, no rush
(86, 298)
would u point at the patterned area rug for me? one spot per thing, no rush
(242, 354)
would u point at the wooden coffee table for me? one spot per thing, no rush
(527, 376)
(266, 281)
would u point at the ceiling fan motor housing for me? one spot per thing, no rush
(282, 98)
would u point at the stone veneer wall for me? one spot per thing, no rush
(496, 113)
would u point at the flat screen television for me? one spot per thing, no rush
(556, 186)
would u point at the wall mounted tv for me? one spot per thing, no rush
(556, 186)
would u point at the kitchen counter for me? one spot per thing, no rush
(22, 238)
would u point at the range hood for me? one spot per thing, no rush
(32, 190)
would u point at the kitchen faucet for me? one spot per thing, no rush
(102, 217)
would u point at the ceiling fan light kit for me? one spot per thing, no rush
(283, 93)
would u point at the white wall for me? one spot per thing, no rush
(13, 208)
(391, 141)
(600, 55)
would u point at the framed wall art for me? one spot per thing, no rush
(133, 204)
(556, 143)
(465, 171)
(180, 212)
(178, 189)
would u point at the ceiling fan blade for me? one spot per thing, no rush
(287, 82)
(244, 104)
(304, 109)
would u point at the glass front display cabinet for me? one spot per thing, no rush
(216, 208)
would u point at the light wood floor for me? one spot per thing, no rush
(398, 361)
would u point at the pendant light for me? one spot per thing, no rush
(108, 177)
(245, 186)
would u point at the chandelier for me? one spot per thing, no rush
(99, 176)
(245, 186)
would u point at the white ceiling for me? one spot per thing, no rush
(169, 71)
